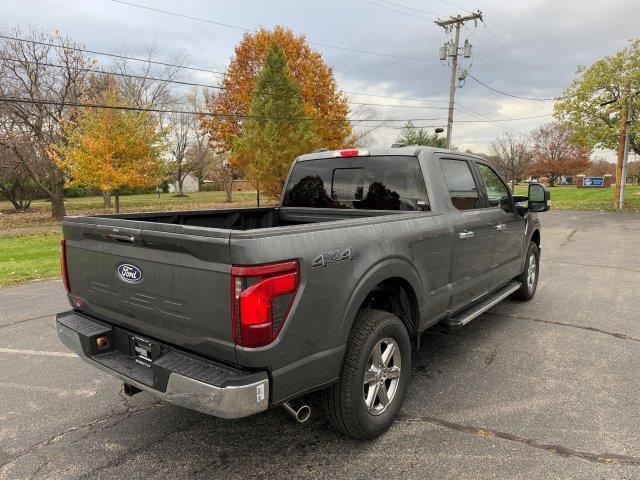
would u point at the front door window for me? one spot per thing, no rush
(497, 191)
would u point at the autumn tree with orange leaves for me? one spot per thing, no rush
(554, 153)
(321, 98)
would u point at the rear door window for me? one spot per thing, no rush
(372, 183)
(463, 190)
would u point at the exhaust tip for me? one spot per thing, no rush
(298, 409)
(304, 413)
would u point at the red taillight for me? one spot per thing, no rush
(63, 264)
(261, 297)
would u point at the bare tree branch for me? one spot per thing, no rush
(25, 75)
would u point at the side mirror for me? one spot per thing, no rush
(539, 197)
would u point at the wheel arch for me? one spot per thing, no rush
(388, 275)
(535, 237)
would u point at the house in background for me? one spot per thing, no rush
(189, 184)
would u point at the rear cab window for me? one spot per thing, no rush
(367, 183)
(462, 187)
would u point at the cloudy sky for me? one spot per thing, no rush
(527, 48)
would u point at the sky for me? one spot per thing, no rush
(528, 48)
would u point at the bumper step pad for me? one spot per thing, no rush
(175, 376)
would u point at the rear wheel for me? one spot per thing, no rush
(374, 377)
(529, 276)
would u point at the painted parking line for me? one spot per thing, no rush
(37, 353)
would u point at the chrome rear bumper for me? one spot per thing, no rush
(179, 378)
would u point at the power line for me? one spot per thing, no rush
(116, 74)
(456, 6)
(481, 116)
(397, 98)
(252, 117)
(409, 8)
(245, 29)
(185, 67)
(512, 95)
(493, 70)
(112, 55)
(395, 127)
(488, 120)
(203, 85)
(194, 112)
(397, 106)
(493, 34)
(167, 80)
(473, 113)
(483, 45)
(503, 119)
(227, 115)
(398, 11)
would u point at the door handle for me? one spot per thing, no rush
(466, 234)
(122, 238)
(501, 226)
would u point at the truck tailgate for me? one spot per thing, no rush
(167, 282)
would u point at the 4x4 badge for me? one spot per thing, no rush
(324, 259)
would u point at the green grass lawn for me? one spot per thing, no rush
(573, 198)
(29, 257)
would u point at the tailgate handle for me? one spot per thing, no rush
(122, 238)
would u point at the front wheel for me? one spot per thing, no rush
(529, 276)
(374, 376)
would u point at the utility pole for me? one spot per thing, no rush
(625, 158)
(452, 50)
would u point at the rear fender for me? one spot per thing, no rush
(388, 268)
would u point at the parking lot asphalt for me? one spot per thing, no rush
(546, 389)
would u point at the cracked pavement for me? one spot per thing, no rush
(545, 389)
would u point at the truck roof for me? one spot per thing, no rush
(410, 150)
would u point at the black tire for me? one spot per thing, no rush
(528, 289)
(344, 402)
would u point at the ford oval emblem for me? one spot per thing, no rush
(129, 273)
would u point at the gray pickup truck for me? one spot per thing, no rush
(231, 312)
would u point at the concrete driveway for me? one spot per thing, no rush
(546, 389)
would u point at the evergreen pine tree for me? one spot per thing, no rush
(276, 132)
(412, 135)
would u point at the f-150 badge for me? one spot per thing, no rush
(324, 259)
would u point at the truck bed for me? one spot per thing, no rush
(247, 218)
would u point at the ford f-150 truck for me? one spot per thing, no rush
(231, 312)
